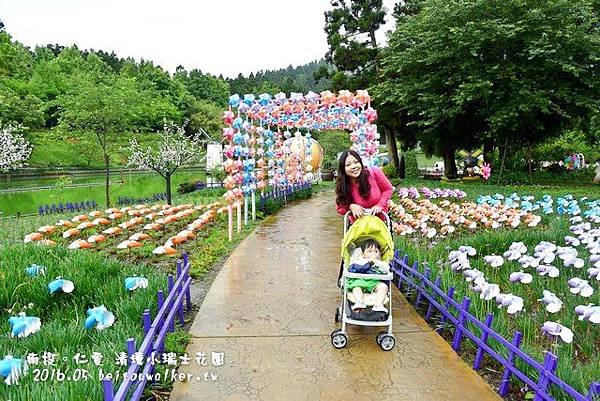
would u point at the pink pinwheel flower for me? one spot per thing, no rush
(486, 171)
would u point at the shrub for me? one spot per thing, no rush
(390, 171)
(412, 167)
(186, 187)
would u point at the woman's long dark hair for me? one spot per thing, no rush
(343, 183)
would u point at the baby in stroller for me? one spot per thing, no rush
(365, 278)
(367, 260)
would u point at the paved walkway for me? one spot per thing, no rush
(271, 311)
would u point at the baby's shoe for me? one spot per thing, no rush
(379, 308)
(358, 305)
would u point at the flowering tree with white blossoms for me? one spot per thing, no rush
(14, 148)
(174, 150)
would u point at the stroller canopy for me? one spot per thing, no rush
(364, 228)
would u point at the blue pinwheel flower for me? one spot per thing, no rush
(11, 368)
(23, 326)
(133, 283)
(35, 270)
(99, 317)
(264, 99)
(60, 284)
(234, 100)
(249, 99)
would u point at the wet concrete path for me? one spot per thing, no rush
(271, 309)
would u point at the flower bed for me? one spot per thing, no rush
(538, 281)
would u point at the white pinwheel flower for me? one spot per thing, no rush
(576, 219)
(588, 312)
(545, 246)
(549, 270)
(594, 248)
(555, 330)
(472, 274)
(519, 247)
(575, 262)
(494, 260)
(521, 277)
(512, 302)
(566, 252)
(469, 250)
(552, 302)
(489, 291)
(528, 261)
(572, 241)
(594, 272)
(581, 287)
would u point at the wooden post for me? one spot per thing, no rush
(130, 349)
(245, 210)
(550, 363)
(422, 286)
(436, 284)
(146, 320)
(462, 317)
(109, 392)
(484, 337)
(253, 206)
(505, 382)
(230, 220)
(447, 305)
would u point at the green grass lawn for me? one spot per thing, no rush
(97, 282)
(130, 185)
(579, 362)
(54, 148)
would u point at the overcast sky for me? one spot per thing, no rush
(217, 36)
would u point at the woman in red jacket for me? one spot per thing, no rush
(359, 188)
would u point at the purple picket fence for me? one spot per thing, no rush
(430, 292)
(155, 332)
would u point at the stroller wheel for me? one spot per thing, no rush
(337, 315)
(387, 342)
(339, 339)
(380, 335)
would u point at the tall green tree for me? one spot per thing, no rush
(101, 103)
(513, 71)
(351, 27)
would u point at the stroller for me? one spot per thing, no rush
(364, 228)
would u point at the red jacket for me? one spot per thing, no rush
(381, 192)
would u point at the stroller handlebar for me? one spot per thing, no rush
(368, 212)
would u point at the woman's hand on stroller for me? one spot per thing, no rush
(357, 210)
(375, 210)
